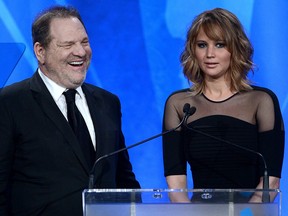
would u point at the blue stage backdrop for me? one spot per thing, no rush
(136, 47)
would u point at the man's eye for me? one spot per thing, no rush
(65, 46)
(85, 43)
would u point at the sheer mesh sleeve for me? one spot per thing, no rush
(173, 147)
(271, 132)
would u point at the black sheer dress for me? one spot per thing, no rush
(251, 119)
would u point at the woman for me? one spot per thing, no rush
(235, 119)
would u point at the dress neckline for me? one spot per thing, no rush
(221, 101)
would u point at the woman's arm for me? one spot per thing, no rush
(271, 140)
(177, 182)
(274, 183)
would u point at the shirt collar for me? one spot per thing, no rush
(56, 90)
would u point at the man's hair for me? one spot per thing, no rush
(41, 24)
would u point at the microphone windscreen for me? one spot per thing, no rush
(192, 110)
(186, 108)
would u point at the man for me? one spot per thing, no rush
(43, 167)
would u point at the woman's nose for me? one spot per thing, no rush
(210, 52)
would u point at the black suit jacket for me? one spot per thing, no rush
(42, 168)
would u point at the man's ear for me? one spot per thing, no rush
(39, 51)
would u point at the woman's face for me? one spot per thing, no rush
(212, 56)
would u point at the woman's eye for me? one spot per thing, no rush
(220, 45)
(201, 45)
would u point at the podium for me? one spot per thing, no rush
(155, 202)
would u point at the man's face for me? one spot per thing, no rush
(68, 55)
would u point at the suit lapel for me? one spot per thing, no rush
(99, 118)
(49, 107)
(95, 105)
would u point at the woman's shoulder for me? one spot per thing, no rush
(270, 95)
(263, 91)
(178, 97)
(180, 91)
(181, 94)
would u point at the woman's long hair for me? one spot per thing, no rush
(219, 25)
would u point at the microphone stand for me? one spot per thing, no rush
(188, 112)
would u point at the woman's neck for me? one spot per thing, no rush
(218, 91)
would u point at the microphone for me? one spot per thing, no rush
(265, 195)
(187, 112)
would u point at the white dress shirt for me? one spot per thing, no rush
(57, 93)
